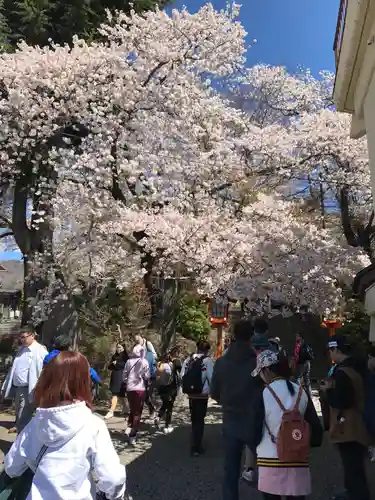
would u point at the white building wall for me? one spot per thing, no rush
(369, 115)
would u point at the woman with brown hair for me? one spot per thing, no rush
(74, 442)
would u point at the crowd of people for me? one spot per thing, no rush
(268, 417)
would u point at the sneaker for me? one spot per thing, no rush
(12, 430)
(109, 415)
(248, 475)
(168, 430)
(341, 496)
(128, 431)
(132, 441)
(197, 452)
(157, 422)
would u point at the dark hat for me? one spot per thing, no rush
(341, 342)
(260, 341)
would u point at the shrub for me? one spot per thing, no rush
(192, 318)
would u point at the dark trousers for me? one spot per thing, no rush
(168, 397)
(233, 451)
(198, 411)
(353, 456)
(268, 496)
(303, 373)
(149, 397)
(24, 409)
(136, 401)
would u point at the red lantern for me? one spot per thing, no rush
(332, 325)
(218, 311)
(218, 314)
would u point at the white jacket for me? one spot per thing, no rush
(273, 414)
(78, 443)
(37, 355)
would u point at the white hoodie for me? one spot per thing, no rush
(78, 443)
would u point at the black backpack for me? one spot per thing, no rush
(306, 354)
(192, 383)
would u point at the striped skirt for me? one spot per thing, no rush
(278, 478)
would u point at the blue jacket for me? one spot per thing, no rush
(95, 378)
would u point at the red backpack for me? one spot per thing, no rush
(293, 439)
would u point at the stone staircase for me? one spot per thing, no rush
(9, 327)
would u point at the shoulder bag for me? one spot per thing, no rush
(18, 488)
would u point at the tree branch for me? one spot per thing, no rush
(153, 72)
(19, 224)
(346, 222)
(6, 234)
(8, 222)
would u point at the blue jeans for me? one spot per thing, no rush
(233, 450)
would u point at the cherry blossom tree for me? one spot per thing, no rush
(122, 161)
(121, 120)
(269, 251)
(315, 153)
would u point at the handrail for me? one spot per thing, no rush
(340, 29)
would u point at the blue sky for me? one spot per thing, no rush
(10, 255)
(289, 32)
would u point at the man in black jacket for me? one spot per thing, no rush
(239, 394)
(344, 392)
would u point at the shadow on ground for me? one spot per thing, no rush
(160, 466)
(5, 446)
(166, 469)
(7, 424)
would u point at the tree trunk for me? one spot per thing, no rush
(171, 295)
(356, 233)
(153, 294)
(47, 303)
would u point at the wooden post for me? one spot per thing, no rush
(332, 326)
(219, 341)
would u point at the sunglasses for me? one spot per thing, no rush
(24, 337)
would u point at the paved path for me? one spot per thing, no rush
(159, 467)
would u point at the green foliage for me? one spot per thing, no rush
(192, 318)
(38, 21)
(100, 310)
(4, 29)
(108, 315)
(357, 324)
